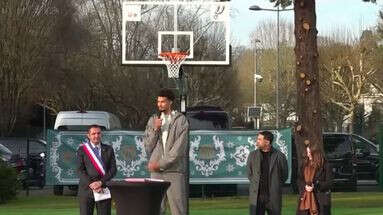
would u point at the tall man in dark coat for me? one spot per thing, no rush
(267, 170)
(92, 178)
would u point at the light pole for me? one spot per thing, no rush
(257, 8)
(256, 76)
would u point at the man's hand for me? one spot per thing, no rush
(153, 167)
(95, 185)
(157, 124)
(99, 190)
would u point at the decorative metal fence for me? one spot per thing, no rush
(216, 157)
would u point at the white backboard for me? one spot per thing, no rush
(201, 28)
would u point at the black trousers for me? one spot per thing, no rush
(87, 206)
(260, 209)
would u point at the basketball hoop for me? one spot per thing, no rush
(173, 62)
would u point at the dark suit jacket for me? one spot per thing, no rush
(89, 174)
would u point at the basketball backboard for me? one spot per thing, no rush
(199, 27)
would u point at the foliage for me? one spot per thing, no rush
(8, 183)
(266, 55)
(373, 121)
(379, 54)
(282, 3)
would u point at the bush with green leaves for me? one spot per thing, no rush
(9, 183)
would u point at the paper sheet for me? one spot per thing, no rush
(104, 194)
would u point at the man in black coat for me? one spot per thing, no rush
(96, 165)
(267, 170)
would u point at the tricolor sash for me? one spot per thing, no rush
(93, 158)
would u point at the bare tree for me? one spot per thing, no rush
(265, 34)
(209, 85)
(24, 39)
(347, 72)
(309, 128)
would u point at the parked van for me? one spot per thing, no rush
(81, 120)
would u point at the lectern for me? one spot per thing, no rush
(138, 197)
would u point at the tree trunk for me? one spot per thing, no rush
(352, 119)
(308, 129)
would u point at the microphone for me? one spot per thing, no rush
(158, 118)
(159, 114)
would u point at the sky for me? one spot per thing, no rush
(353, 15)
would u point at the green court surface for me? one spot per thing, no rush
(367, 203)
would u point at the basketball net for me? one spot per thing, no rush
(173, 62)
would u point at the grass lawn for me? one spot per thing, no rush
(366, 203)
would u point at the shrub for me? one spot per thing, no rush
(8, 182)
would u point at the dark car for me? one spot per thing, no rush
(5, 154)
(351, 157)
(34, 174)
(367, 158)
(208, 118)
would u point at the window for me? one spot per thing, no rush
(337, 146)
(363, 145)
(373, 150)
(19, 147)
